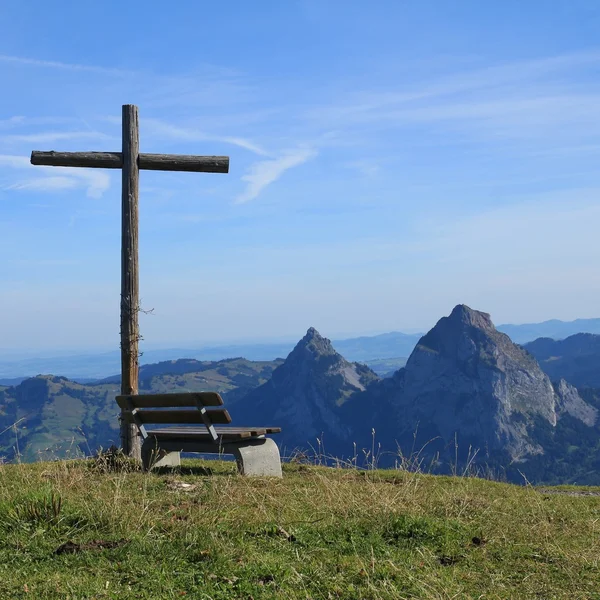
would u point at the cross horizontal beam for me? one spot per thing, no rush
(150, 162)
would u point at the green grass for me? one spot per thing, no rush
(318, 533)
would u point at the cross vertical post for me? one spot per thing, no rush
(130, 161)
(130, 303)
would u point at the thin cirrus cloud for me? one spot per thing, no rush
(264, 173)
(48, 137)
(497, 78)
(33, 62)
(260, 174)
(518, 99)
(45, 184)
(94, 182)
(158, 128)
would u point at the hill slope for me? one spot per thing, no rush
(576, 358)
(56, 416)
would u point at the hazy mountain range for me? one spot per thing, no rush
(468, 395)
(393, 347)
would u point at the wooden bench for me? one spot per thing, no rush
(255, 454)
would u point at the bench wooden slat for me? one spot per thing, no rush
(224, 433)
(197, 434)
(170, 400)
(226, 429)
(219, 416)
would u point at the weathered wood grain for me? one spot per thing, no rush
(149, 162)
(223, 433)
(184, 162)
(216, 416)
(170, 400)
(130, 274)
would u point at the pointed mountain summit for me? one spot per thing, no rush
(468, 334)
(305, 393)
(312, 346)
(467, 379)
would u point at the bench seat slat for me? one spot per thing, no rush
(170, 400)
(221, 429)
(218, 416)
(224, 433)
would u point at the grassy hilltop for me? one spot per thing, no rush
(75, 529)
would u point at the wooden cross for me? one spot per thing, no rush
(130, 161)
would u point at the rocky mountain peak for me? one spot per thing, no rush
(465, 376)
(305, 393)
(315, 359)
(464, 315)
(312, 345)
(469, 337)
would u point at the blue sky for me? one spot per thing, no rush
(388, 160)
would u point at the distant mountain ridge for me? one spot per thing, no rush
(100, 366)
(467, 395)
(365, 349)
(555, 329)
(576, 358)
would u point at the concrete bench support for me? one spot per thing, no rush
(255, 457)
(259, 457)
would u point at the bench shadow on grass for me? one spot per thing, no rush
(187, 470)
(191, 465)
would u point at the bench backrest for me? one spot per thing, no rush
(193, 408)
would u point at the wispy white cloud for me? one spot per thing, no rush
(15, 162)
(517, 115)
(46, 262)
(48, 137)
(45, 184)
(366, 167)
(522, 100)
(262, 174)
(50, 64)
(96, 182)
(209, 87)
(495, 77)
(161, 129)
(11, 122)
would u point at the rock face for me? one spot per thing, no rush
(571, 403)
(304, 395)
(467, 379)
